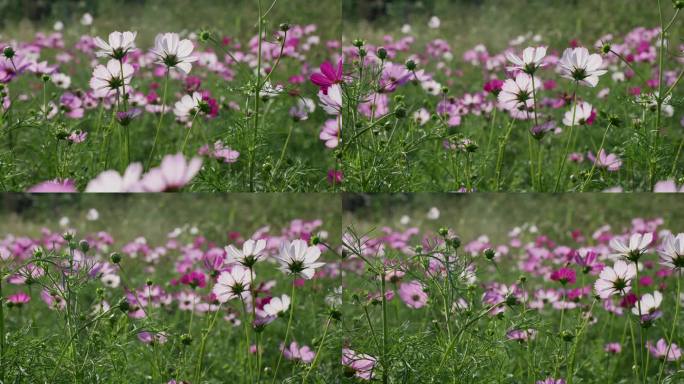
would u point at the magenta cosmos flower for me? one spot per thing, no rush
(19, 299)
(564, 276)
(413, 295)
(328, 76)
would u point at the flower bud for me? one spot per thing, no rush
(382, 53)
(411, 65)
(284, 27)
(489, 254)
(84, 246)
(8, 52)
(358, 43)
(186, 339)
(115, 258)
(204, 36)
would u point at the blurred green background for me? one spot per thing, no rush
(21, 18)
(155, 215)
(465, 23)
(495, 214)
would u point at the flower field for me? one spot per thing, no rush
(141, 105)
(540, 297)
(237, 292)
(513, 96)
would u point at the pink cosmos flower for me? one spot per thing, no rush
(55, 186)
(330, 133)
(77, 137)
(362, 365)
(295, 352)
(613, 348)
(113, 182)
(19, 299)
(412, 294)
(667, 186)
(521, 335)
(609, 161)
(173, 174)
(661, 351)
(328, 76)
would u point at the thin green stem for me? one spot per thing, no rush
(593, 167)
(287, 332)
(564, 156)
(674, 325)
(161, 118)
(318, 351)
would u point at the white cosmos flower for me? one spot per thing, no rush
(277, 305)
(187, 106)
(174, 52)
(615, 280)
(92, 215)
(332, 102)
(61, 80)
(530, 61)
(232, 284)
(517, 94)
(268, 91)
(577, 64)
(87, 19)
(110, 78)
(638, 243)
(433, 213)
(119, 44)
(297, 258)
(582, 114)
(672, 252)
(434, 22)
(421, 116)
(250, 253)
(648, 304)
(110, 280)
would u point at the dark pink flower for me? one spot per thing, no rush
(564, 276)
(328, 76)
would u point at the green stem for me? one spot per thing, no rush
(287, 332)
(564, 157)
(318, 351)
(674, 325)
(593, 167)
(200, 360)
(500, 156)
(161, 118)
(257, 90)
(2, 333)
(385, 331)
